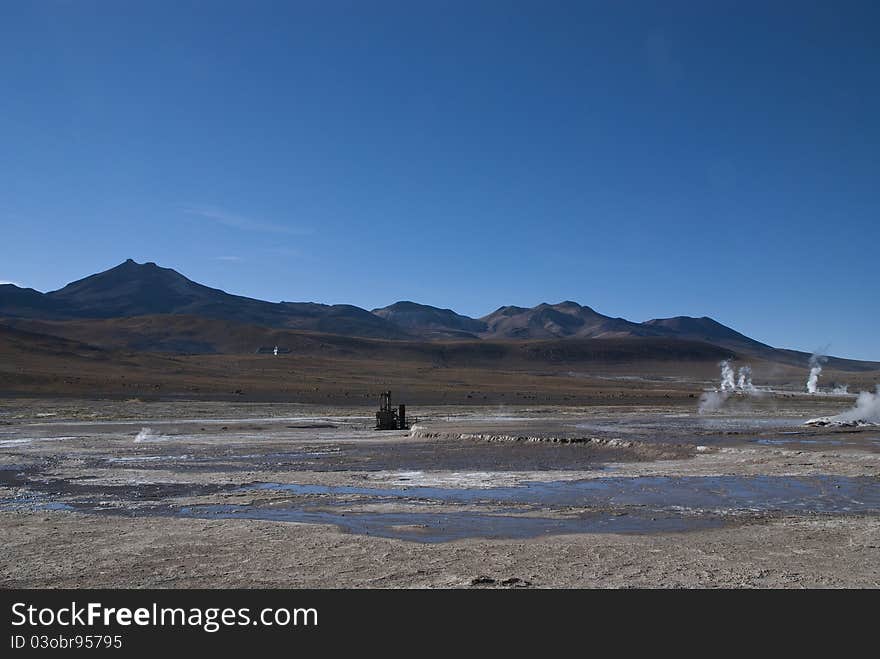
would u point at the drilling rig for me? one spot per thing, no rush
(388, 418)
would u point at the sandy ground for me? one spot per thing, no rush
(108, 494)
(62, 550)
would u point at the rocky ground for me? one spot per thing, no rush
(177, 494)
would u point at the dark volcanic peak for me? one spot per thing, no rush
(565, 319)
(505, 311)
(142, 289)
(430, 321)
(703, 329)
(568, 304)
(343, 319)
(134, 289)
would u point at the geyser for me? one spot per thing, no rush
(816, 361)
(727, 377)
(866, 412)
(744, 382)
(712, 401)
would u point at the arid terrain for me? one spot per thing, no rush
(437, 295)
(157, 432)
(634, 494)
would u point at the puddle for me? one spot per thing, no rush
(783, 442)
(28, 440)
(31, 504)
(793, 439)
(148, 458)
(445, 527)
(725, 494)
(637, 505)
(214, 461)
(14, 467)
(686, 423)
(414, 527)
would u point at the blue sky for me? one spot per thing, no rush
(647, 159)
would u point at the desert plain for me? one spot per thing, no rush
(505, 480)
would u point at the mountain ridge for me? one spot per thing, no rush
(434, 322)
(134, 290)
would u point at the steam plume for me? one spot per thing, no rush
(727, 377)
(147, 435)
(866, 411)
(816, 361)
(744, 382)
(712, 401)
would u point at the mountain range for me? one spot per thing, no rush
(132, 299)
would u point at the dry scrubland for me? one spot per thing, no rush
(324, 369)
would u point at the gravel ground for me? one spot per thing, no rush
(188, 495)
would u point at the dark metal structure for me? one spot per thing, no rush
(388, 418)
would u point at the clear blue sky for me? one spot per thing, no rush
(647, 159)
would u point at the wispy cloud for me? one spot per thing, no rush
(245, 223)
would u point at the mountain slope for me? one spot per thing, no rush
(431, 322)
(17, 341)
(180, 334)
(175, 305)
(564, 320)
(705, 329)
(133, 289)
(28, 303)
